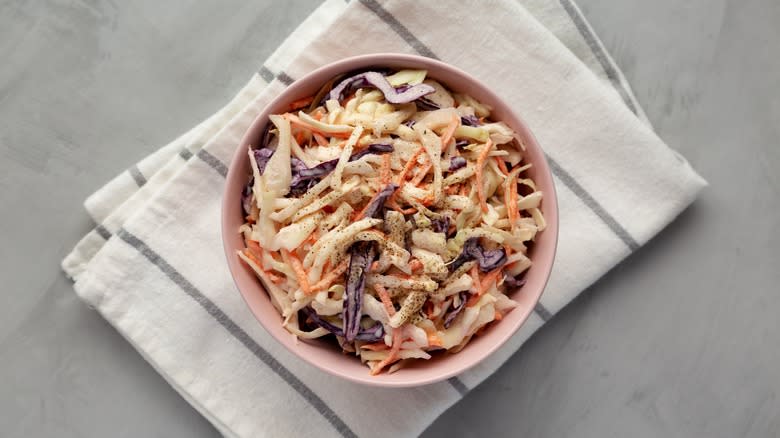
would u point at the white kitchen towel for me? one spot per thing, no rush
(154, 266)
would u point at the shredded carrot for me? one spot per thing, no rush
(322, 141)
(318, 114)
(386, 172)
(393, 356)
(248, 253)
(513, 204)
(479, 172)
(386, 300)
(300, 137)
(329, 278)
(491, 277)
(450, 131)
(394, 205)
(353, 217)
(254, 256)
(313, 237)
(464, 190)
(359, 215)
(300, 272)
(427, 201)
(510, 199)
(475, 277)
(498, 316)
(254, 246)
(451, 190)
(300, 103)
(275, 279)
(502, 166)
(415, 265)
(377, 346)
(429, 308)
(255, 253)
(434, 341)
(374, 266)
(510, 212)
(408, 167)
(409, 164)
(484, 285)
(507, 249)
(421, 174)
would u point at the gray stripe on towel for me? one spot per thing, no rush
(237, 332)
(103, 231)
(458, 385)
(583, 194)
(610, 69)
(542, 311)
(269, 76)
(213, 161)
(139, 177)
(284, 78)
(266, 74)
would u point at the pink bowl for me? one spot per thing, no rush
(324, 355)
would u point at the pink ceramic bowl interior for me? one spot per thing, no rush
(328, 357)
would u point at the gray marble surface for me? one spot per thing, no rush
(682, 339)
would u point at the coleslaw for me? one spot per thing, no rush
(391, 214)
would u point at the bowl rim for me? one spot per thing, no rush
(550, 205)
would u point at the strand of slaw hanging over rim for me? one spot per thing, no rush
(389, 213)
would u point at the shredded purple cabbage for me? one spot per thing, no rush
(266, 137)
(261, 157)
(426, 104)
(374, 209)
(487, 260)
(377, 80)
(371, 334)
(361, 256)
(441, 224)
(470, 120)
(299, 186)
(313, 173)
(513, 282)
(450, 316)
(246, 196)
(322, 322)
(457, 163)
(373, 148)
(297, 165)
(461, 144)
(304, 178)
(409, 123)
